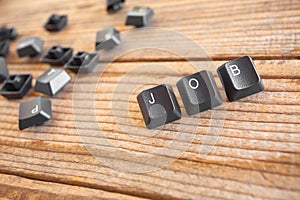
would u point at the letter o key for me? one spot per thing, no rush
(193, 86)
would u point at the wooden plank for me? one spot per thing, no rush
(15, 187)
(266, 29)
(255, 155)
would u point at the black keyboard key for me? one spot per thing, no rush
(83, 62)
(107, 38)
(52, 81)
(56, 22)
(3, 70)
(4, 47)
(34, 112)
(139, 16)
(30, 47)
(199, 92)
(113, 6)
(240, 78)
(16, 86)
(159, 106)
(58, 55)
(8, 33)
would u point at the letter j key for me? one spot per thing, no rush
(159, 106)
(240, 78)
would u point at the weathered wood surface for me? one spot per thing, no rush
(256, 153)
(225, 29)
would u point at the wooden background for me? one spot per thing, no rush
(256, 154)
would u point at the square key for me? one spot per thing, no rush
(30, 47)
(34, 112)
(3, 70)
(159, 106)
(4, 47)
(113, 6)
(139, 16)
(52, 81)
(16, 86)
(107, 38)
(240, 78)
(199, 92)
(58, 55)
(83, 62)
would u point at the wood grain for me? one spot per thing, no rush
(15, 187)
(224, 29)
(249, 149)
(256, 151)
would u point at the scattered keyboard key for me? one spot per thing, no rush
(159, 106)
(113, 6)
(199, 92)
(8, 33)
(30, 47)
(16, 86)
(56, 22)
(107, 38)
(3, 70)
(83, 62)
(52, 81)
(58, 55)
(139, 16)
(240, 78)
(4, 47)
(34, 112)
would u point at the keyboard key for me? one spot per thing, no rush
(52, 81)
(199, 92)
(139, 16)
(16, 86)
(83, 62)
(34, 112)
(8, 33)
(58, 55)
(113, 6)
(240, 78)
(3, 70)
(30, 47)
(4, 47)
(108, 38)
(56, 22)
(159, 106)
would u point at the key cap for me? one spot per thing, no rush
(34, 112)
(113, 6)
(16, 86)
(56, 22)
(52, 81)
(3, 70)
(240, 78)
(199, 92)
(107, 38)
(83, 62)
(4, 47)
(8, 33)
(139, 16)
(159, 106)
(30, 47)
(58, 55)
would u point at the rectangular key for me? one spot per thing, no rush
(199, 92)
(52, 81)
(159, 106)
(240, 78)
(34, 112)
